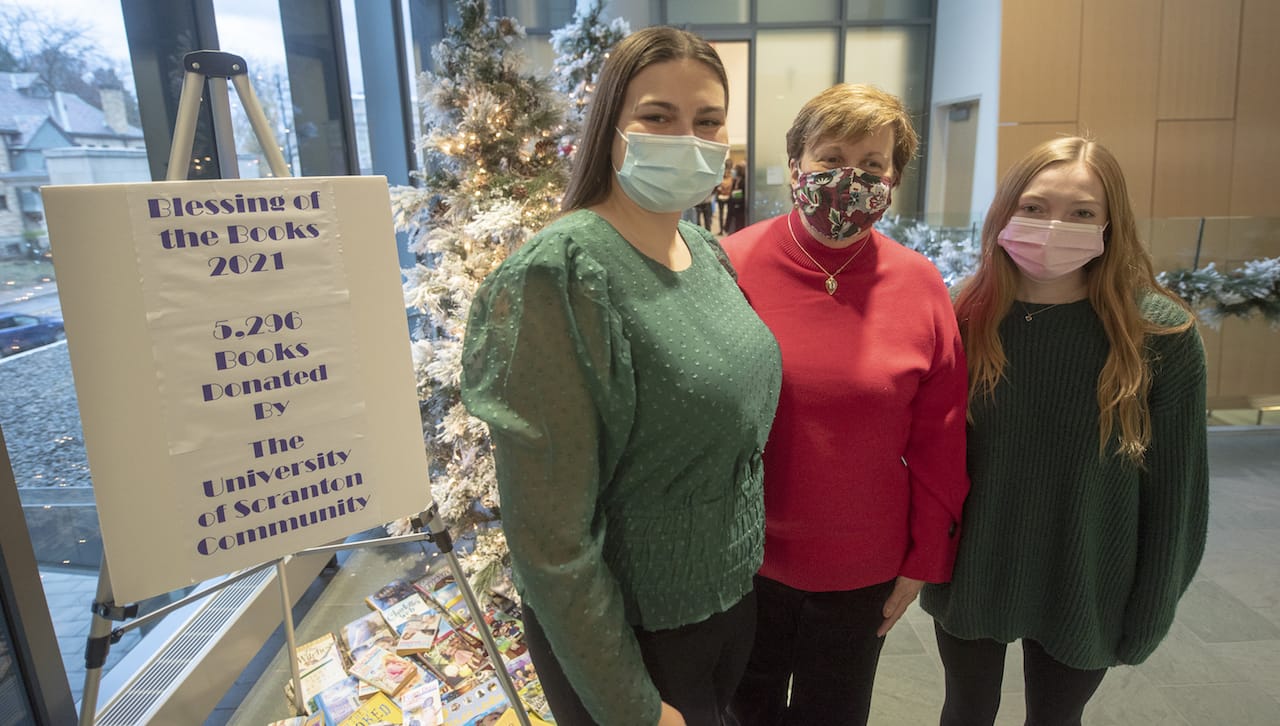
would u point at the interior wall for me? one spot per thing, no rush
(966, 67)
(961, 139)
(737, 65)
(1183, 93)
(639, 13)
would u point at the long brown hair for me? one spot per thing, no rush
(1116, 282)
(593, 169)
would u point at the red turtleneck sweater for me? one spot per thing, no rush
(865, 466)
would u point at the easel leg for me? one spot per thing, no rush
(444, 542)
(495, 655)
(287, 607)
(95, 652)
(220, 105)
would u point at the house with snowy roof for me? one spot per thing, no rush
(51, 136)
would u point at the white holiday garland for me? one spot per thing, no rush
(1249, 290)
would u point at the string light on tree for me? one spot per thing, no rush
(581, 48)
(482, 194)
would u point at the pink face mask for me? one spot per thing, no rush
(1045, 250)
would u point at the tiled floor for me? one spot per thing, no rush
(70, 594)
(1220, 665)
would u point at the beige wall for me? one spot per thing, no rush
(1183, 92)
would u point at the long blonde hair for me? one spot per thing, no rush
(1117, 280)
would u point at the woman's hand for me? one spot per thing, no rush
(904, 593)
(670, 716)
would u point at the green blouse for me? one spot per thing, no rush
(628, 406)
(1086, 555)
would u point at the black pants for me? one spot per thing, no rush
(1056, 694)
(824, 644)
(737, 216)
(695, 667)
(704, 215)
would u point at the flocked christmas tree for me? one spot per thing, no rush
(581, 48)
(494, 176)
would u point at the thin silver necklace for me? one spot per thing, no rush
(1028, 315)
(831, 282)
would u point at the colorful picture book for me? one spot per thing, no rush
(440, 589)
(315, 652)
(417, 658)
(455, 660)
(413, 609)
(483, 701)
(377, 711)
(418, 634)
(527, 685)
(390, 594)
(422, 705)
(385, 641)
(320, 677)
(363, 630)
(507, 631)
(384, 670)
(338, 701)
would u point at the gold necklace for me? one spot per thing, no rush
(1028, 315)
(831, 276)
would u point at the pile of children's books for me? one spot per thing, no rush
(417, 659)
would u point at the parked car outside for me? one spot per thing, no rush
(19, 332)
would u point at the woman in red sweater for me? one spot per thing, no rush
(865, 464)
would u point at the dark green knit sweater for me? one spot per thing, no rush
(1085, 555)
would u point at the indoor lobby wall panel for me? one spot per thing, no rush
(1255, 174)
(1199, 48)
(1017, 139)
(1252, 238)
(1040, 61)
(1250, 358)
(1178, 243)
(1119, 72)
(1212, 340)
(1188, 152)
(792, 66)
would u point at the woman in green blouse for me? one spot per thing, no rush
(629, 388)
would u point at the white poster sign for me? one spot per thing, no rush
(242, 364)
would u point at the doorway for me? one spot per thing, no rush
(736, 56)
(955, 142)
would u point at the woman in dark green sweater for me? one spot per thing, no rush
(1087, 445)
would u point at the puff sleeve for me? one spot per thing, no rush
(546, 365)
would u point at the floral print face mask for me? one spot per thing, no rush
(841, 203)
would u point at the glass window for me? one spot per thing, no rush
(541, 14)
(252, 30)
(539, 56)
(78, 56)
(360, 117)
(424, 27)
(794, 11)
(894, 59)
(708, 11)
(888, 9)
(15, 707)
(792, 66)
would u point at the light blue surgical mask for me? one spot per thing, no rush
(664, 173)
